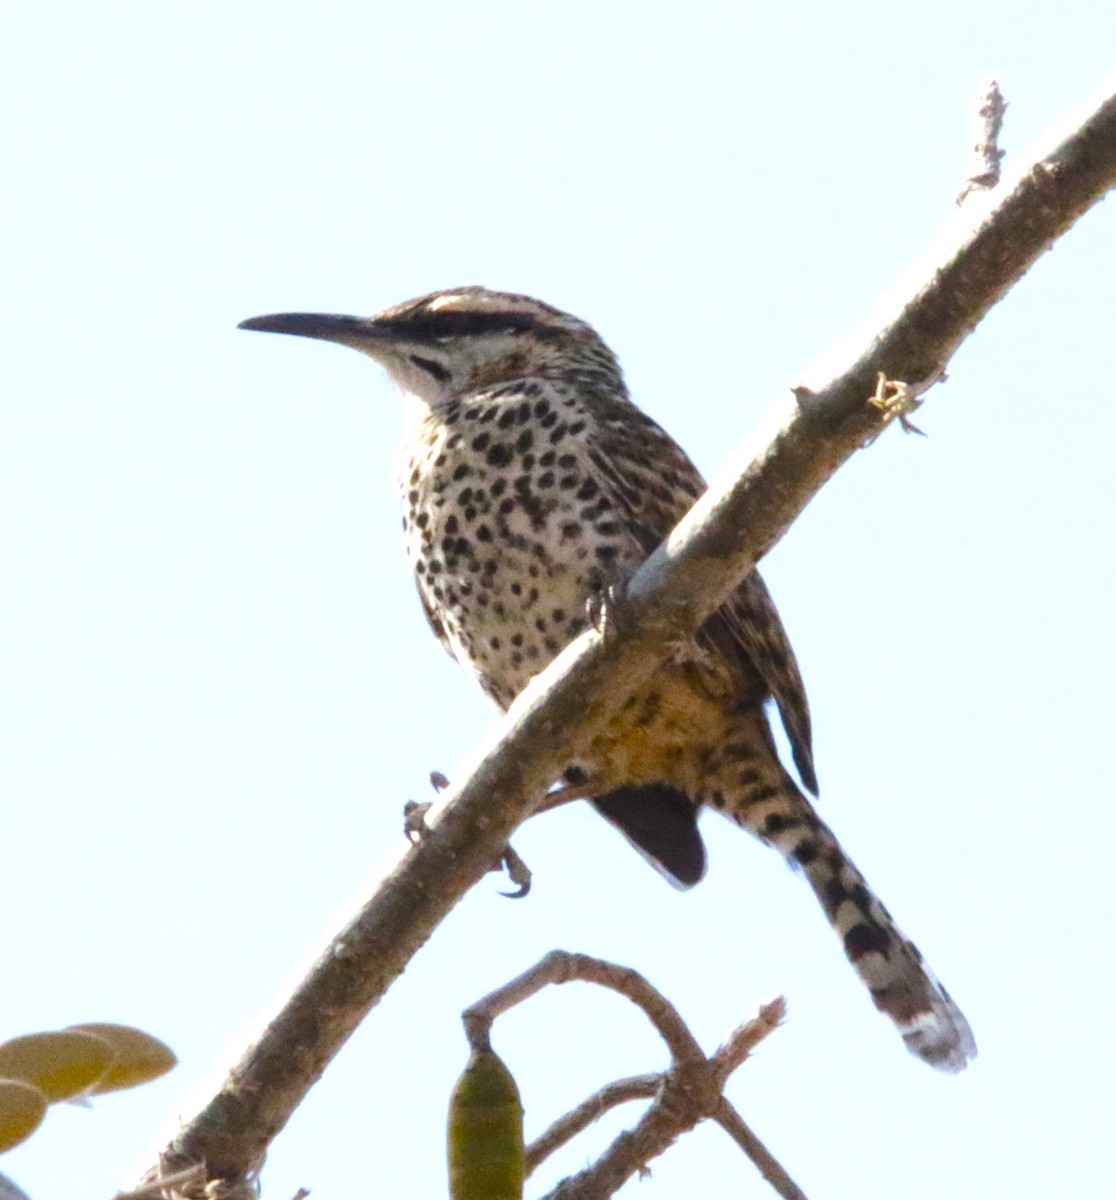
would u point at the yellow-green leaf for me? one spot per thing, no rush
(486, 1132)
(139, 1056)
(22, 1107)
(65, 1063)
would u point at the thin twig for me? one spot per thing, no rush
(744, 1039)
(176, 1183)
(675, 591)
(560, 966)
(769, 1166)
(568, 1126)
(689, 1093)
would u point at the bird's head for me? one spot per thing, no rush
(462, 340)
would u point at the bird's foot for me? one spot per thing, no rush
(518, 871)
(415, 829)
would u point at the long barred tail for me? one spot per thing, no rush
(888, 963)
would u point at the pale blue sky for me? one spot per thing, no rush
(218, 688)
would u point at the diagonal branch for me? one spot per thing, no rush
(769, 1166)
(569, 1125)
(997, 240)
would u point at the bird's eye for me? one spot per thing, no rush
(432, 368)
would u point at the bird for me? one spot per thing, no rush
(532, 484)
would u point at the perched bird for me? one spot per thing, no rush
(531, 483)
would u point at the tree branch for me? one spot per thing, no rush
(690, 1091)
(769, 1166)
(667, 600)
(567, 1127)
(560, 966)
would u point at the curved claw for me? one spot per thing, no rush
(415, 829)
(518, 872)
